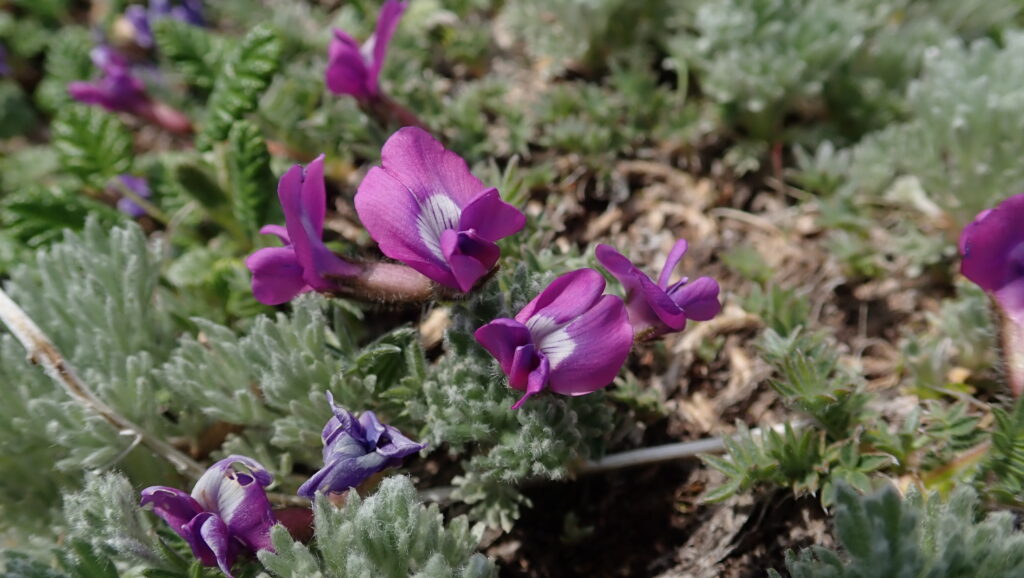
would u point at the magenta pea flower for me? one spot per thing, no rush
(304, 263)
(425, 209)
(355, 70)
(117, 90)
(227, 513)
(993, 258)
(659, 308)
(569, 339)
(355, 449)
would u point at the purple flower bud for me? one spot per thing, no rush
(355, 449)
(227, 512)
(659, 308)
(279, 274)
(993, 257)
(140, 187)
(117, 90)
(354, 69)
(569, 339)
(425, 209)
(142, 31)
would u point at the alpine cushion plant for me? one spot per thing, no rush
(118, 90)
(226, 514)
(993, 257)
(659, 308)
(569, 339)
(426, 209)
(355, 449)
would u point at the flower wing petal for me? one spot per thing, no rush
(602, 339)
(276, 275)
(172, 505)
(501, 338)
(698, 299)
(491, 217)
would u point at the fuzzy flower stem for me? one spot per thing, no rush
(1013, 353)
(42, 351)
(389, 113)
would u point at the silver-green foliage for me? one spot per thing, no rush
(884, 536)
(95, 294)
(389, 534)
(965, 129)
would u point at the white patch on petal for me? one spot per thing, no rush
(366, 50)
(437, 214)
(230, 498)
(552, 338)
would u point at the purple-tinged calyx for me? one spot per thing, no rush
(137, 185)
(570, 339)
(118, 90)
(355, 449)
(425, 209)
(659, 308)
(304, 263)
(354, 69)
(226, 514)
(992, 247)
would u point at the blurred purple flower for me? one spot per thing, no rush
(5, 69)
(355, 449)
(117, 90)
(354, 69)
(569, 339)
(993, 257)
(141, 18)
(227, 512)
(659, 308)
(140, 187)
(304, 263)
(425, 209)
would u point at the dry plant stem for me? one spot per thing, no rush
(42, 351)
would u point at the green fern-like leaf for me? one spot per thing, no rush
(252, 182)
(92, 144)
(192, 51)
(246, 74)
(66, 60)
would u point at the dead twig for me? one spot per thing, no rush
(41, 351)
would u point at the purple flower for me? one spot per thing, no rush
(190, 11)
(355, 449)
(140, 187)
(354, 69)
(227, 512)
(117, 89)
(659, 308)
(5, 69)
(425, 209)
(993, 257)
(569, 339)
(304, 263)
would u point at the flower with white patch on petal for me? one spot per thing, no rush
(425, 209)
(569, 339)
(227, 512)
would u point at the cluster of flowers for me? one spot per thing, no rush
(228, 511)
